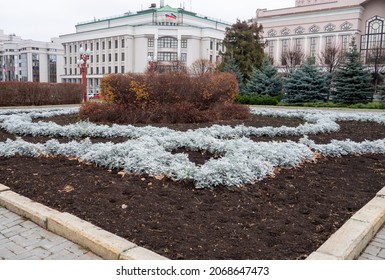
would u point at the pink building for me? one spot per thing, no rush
(312, 25)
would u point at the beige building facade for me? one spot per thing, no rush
(312, 25)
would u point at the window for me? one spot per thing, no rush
(103, 58)
(97, 46)
(184, 43)
(373, 42)
(168, 43)
(211, 45)
(167, 56)
(285, 32)
(150, 43)
(313, 46)
(314, 29)
(346, 26)
(109, 45)
(116, 57)
(298, 44)
(183, 56)
(116, 44)
(272, 33)
(299, 30)
(122, 56)
(328, 41)
(97, 58)
(122, 69)
(285, 45)
(330, 27)
(35, 68)
(116, 69)
(345, 42)
(123, 45)
(271, 48)
(103, 45)
(109, 57)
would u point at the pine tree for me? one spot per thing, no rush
(243, 42)
(352, 82)
(266, 81)
(232, 67)
(305, 84)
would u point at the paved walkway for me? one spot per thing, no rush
(21, 239)
(376, 248)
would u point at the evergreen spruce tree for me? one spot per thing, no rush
(305, 84)
(352, 82)
(266, 81)
(231, 66)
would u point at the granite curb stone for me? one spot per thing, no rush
(351, 239)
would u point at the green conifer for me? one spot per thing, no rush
(352, 82)
(266, 81)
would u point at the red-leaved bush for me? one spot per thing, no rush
(166, 98)
(28, 93)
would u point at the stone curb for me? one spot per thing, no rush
(101, 242)
(351, 239)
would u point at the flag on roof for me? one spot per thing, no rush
(171, 16)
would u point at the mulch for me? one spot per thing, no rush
(286, 216)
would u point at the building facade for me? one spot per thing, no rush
(30, 61)
(126, 43)
(313, 25)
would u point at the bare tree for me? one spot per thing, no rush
(331, 58)
(291, 58)
(201, 66)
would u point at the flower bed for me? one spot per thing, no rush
(149, 151)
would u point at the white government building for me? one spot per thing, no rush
(30, 61)
(125, 43)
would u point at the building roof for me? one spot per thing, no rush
(167, 8)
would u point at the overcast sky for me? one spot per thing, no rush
(41, 20)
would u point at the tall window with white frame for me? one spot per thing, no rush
(313, 47)
(271, 49)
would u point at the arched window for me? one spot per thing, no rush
(271, 33)
(373, 42)
(285, 32)
(314, 29)
(330, 27)
(299, 30)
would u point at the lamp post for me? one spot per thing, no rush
(83, 63)
(152, 63)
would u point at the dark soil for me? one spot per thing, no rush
(285, 217)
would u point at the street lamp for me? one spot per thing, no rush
(152, 61)
(83, 63)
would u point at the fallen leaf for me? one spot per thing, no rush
(124, 206)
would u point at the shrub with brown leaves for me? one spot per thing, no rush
(172, 97)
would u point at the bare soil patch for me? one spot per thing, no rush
(285, 217)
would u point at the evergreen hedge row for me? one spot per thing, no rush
(35, 94)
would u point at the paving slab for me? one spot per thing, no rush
(25, 240)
